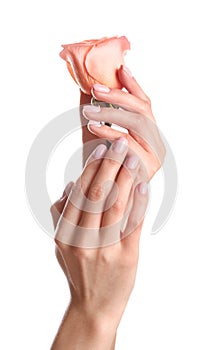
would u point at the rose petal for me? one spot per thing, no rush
(105, 58)
(95, 61)
(75, 55)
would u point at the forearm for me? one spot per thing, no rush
(113, 344)
(79, 332)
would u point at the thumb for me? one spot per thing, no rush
(57, 208)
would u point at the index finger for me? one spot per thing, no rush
(142, 128)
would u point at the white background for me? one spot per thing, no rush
(166, 308)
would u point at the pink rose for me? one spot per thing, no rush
(96, 61)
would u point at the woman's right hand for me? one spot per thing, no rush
(135, 115)
(98, 256)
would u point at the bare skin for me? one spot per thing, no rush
(138, 106)
(101, 276)
(97, 277)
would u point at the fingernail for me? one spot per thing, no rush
(99, 151)
(143, 187)
(127, 70)
(132, 161)
(101, 88)
(120, 145)
(93, 109)
(94, 123)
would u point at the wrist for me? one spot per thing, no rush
(95, 322)
(80, 331)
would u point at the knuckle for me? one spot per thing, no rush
(95, 192)
(140, 120)
(81, 254)
(118, 206)
(146, 106)
(105, 259)
(141, 124)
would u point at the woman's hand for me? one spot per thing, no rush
(136, 116)
(96, 250)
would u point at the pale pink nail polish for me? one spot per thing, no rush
(99, 151)
(143, 187)
(127, 70)
(120, 145)
(91, 109)
(94, 123)
(101, 88)
(132, 162)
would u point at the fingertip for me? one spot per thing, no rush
(125, 70)
(90, 109)
(94, 123)
(125, 77)
(94, 127)
(142, 188)
(99, 151)
(101, 88)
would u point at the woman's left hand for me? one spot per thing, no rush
(135, 115)
(99, 221)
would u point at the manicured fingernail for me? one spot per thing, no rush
(143, 187)
(93, 109)
(120, 145)
(101, 88)
(94, 123)
(127, 70)
(99, 151)
(132, 161)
